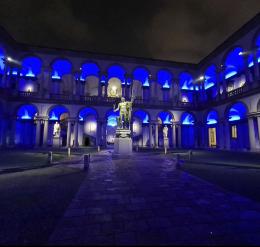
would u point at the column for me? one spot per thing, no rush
(256, 66)
(156, 135)
(98, 132)
(104, 134)
(45, 132)
(252, 138)
(220, 133)
(76, 131)
(258, 125)
(218, 78)
(226, 135)
(12, 132)
(196, 135)
(38, 132)
(247, 72)
(179, 136)
(3, 131)
(69, 133)
(173, 135)
(150, 135)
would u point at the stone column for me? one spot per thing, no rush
(179, 136)
(220, 134)
(256, 66)
(76, 131)
(252, 138)
(38, 132)
(156, 135)
(196, 135)
(247, 72)
(99, 132)
(226, 135)
(45, 132)
(12, 132)
(258, 125)
(69, 133)
(173, 135)
(104, 134)
(150, 135)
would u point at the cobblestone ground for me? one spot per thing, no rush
(146, 200)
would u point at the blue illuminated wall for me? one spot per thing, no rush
(89, 69)
(142, 75)
(56, 113)
(212, 117)
(142, 115)
(186, 81)
(165, 117)
(2, 56)
(60, 67)
(118, 72)
(234, 63)
(187, 130)
(164, 77)
(25, 127)
(31, 67)
(85, 112)
(210, 76)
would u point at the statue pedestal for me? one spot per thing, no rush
(56, 142)
(123, 142)
(166, 142)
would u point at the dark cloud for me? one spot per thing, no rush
(184, 30)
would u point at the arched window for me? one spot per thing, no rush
(165, 117)
(26, 112)
(31, 67)
(59, 68)
(164, 77)
(89, 69)
(187, 130)
(210, 76)
(234, 62)
(142, 75)
(212, 117)
(187, 119)
(56, 112)
(117, 71)
(186, 81)
(142, 115)
(237, 112)
(85, 112)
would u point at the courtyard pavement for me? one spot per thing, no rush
(145, 200)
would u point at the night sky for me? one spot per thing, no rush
(184, 31)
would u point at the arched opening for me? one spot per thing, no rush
(141, 83)
(87, 127)
(111, 126)
(165, 119)
(141, 128)
(58, 114)
(186, 81)
(210, 81)
(187, 130)
(25, 129)
(116, 77)
(238, 126)
(31, 68)
(61, 83)
(89, 79)
(212, 121)
(234, 69)
(164, 78)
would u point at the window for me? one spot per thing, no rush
(234, 131)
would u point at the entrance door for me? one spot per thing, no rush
(212, 137)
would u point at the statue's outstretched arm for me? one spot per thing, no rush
(116, 109)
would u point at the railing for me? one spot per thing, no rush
(236, 91)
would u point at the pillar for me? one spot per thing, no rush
(220, 133)
(258, 125)
(156, 135)
(104, 133)
(179, 136)
(247, 72)
(76, 131)
(99, 132)
(12, 132)
(226, 135)
(174, 135)
(38, 132)
(150, 135)
(45, 132)
(69, 133)
(252, 138)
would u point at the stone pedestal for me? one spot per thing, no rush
(166, 142)
(123, 142)
(56, 142)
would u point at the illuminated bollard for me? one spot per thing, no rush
(86, 161)
(50, 157)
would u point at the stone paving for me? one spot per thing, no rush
(145, 200)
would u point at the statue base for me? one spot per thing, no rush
(123, 142)
(165, 142)
(56, 142)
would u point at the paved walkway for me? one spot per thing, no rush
(145, 200)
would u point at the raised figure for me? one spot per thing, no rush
(56, 130)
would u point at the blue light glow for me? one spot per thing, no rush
(212, 117)
(85, 112)
(26, 112)
(187, 119)
(164, 77)
(210, 77)
(31, 66)
(237, 111)
(234, 62)
(142, 115)
(116, 71)
(111, 118)
(165, 117)
(60, 67)
(89, 69)
(250, 60)
(142, 75)
(186, 81)
(56, 112)
(2, 65)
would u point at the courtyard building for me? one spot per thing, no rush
(214, 104)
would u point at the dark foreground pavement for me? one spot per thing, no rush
(145, 200)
